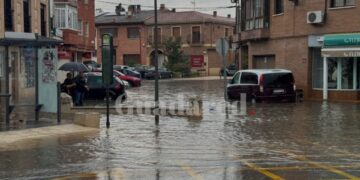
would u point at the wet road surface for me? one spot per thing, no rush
(310, 140)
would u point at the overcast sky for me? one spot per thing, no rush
(207, 6)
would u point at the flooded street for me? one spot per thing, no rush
(309, 140)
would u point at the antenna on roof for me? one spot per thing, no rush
(194, 3)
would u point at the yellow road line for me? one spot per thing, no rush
(263, 171)
(191, 172)
(116, 174)
(326, 167)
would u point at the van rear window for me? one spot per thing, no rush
(278, 79)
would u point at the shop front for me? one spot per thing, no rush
(340, 67)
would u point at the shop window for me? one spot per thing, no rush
(347, 73)
(196, 35)
(279, 6)
(343, 73)
(133, 33)
(341, 3)
(332, 73)
(317, 68)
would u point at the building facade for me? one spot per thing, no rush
(76, 21)
(318, 40)
(134, 36)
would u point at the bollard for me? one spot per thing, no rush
(196, 106)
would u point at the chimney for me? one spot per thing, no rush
(162, 7)
(138, 8)
(173, 10)
(229, 16)
(215, 13)
(131, 10)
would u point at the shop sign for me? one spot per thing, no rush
(342, 40)
(341, 53)
(64, 55)
(197, 61)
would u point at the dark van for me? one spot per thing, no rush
(263, 85)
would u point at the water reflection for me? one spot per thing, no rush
(215, 147)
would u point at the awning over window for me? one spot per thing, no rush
(341, 45)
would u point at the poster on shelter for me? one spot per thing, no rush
(48, 61)
(47, 64)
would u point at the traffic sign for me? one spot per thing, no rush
(222, 47)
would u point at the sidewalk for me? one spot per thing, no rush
(28, 138)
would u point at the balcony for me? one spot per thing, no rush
(255, 34)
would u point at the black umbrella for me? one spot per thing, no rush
(74, 66)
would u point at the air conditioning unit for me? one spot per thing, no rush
(315, 17)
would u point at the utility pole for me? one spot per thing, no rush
(194, 3)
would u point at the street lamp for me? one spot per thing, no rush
(156, 66)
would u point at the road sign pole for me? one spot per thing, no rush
(156, 55)
(222, 47)
(107, 70)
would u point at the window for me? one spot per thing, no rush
(87, 29)
(133, 33)
(81, 29)
(66, 17)
(279, 6)
(158, 34)
(342, 3)
(131, 59)
(255, 14)
(236, 79)
(343, 73)
(26, 16)
(278, 79)
(227, 32)
(86, 1)
(176, 32)
(248, 78)
(8, 15)
(43, 20)
(196, 35)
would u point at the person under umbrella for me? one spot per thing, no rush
(69, 85)
(80, 88)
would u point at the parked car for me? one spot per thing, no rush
(230, 70)
(98, 91)
(132, 73)
(263, 85)
(142, 69)
(134, 81)
(92, 65)
(163, 73)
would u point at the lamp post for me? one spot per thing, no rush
(156, 66)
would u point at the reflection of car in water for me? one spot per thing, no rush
(98, 91)
(163, 73)
(263, 85)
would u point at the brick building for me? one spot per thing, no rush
(76, 20)
(199, 32)
(306, 37)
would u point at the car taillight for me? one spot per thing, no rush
(261, 83)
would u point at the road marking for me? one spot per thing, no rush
(326, 167)
(263, 171)
(190, 172)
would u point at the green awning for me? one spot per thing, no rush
(342, 40)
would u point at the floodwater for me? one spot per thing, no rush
(309, 140)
